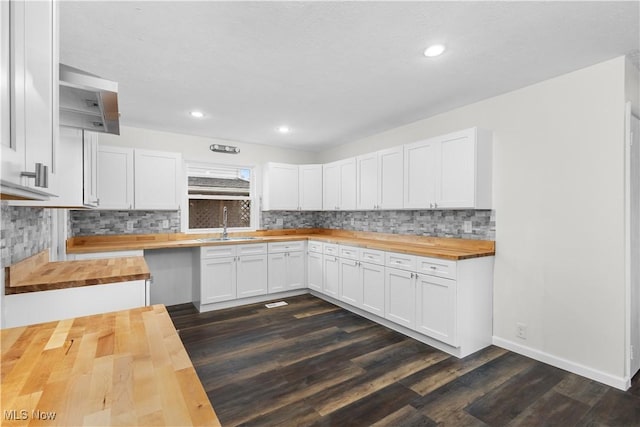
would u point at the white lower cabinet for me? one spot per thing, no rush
(350, 282)
(314, 269)
(287, 266)
(251, 276)
(372, 278)
(46, 306)
(400, 296)
(436, 308)
(331, 279)
(218, 280)
(231, 271)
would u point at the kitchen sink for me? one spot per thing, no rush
(226, 239)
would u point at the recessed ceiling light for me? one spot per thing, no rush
(284, 129)
(197, 114)
(435, 50)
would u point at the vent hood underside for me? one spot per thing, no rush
(88, 101)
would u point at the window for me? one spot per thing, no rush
(212, 188)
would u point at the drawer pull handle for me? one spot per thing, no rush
(432, 267)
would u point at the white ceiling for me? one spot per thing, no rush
(332, 71)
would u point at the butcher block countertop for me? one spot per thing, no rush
(437, 247)
(123, 368)
(36, 273)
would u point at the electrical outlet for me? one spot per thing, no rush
(521, 331)
(468, 227)
(353, 221)
(279, 222)
(165, 223)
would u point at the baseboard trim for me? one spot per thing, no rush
(621, 383)
(203, 308)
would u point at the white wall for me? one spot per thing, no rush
(559, 201)
(196, 148)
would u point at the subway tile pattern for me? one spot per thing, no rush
(96, 222)
(24, 232)
(437, 223)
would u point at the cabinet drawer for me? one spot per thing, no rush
(373, 256)
(316, 246)
(252, 249)
(349, 252)
(277, 247)
(217, 251)
(331, 249)
(436, 267)
(401, 261)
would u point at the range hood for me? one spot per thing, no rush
(88, 101)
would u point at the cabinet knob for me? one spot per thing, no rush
(41, 175)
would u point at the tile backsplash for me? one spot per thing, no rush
(95, 222)
(438, 223)
(24, 232)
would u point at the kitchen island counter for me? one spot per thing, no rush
(121, 368)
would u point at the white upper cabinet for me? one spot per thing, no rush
(380, 179)
(292, 187)
(29, 58)
(340, 185)
(280, 187)
(138, 179)
(310, 187)
(449, 171)
(156, 180)
(115, 177)
(367, 178)
(420, 174)
(465, 176)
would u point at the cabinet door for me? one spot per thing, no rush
(348, 185)
(310, 187)
(296, 272)
(251, 275)
(33, 67)
(90, 168)
(217, 280)
(314, 268)
(420, 174)
(350, 283)
(330, 186)
(367, 181)
(436, 308)
(277, 272)
(331, 282)
(115, 177)
(372, 278)
(280, 187)
(390, 178)
(400, 297)
(157, 178)
(456, 183)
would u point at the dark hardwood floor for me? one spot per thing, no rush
(312, 363)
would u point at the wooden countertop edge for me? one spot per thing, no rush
(412, 248)
(37, 287)
(37, 273)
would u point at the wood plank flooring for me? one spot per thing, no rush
(311, 363)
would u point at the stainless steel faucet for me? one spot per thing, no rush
(225, 235)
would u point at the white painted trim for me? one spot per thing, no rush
(627, 237)
(251, 300)
(576, 368)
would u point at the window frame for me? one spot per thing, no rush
(253, 197)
